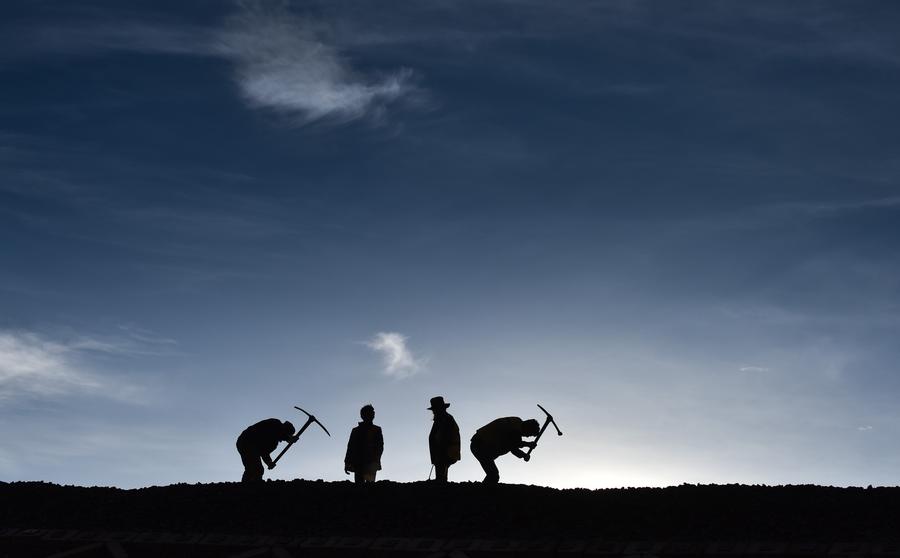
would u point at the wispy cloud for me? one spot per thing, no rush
(136, 36)
(284, 65)
(33, 365)
(865, 428)
(399, 361)
(836, 207)
(283, 62)
(777, 214)
(753, 369)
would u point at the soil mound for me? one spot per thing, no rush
(472, 510)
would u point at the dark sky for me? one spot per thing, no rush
(673, 223)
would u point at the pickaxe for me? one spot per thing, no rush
(549, 420)
(310, 419)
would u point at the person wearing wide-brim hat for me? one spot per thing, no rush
(443, 442)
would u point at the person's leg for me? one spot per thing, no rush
(369, 476)
(359, 477)
(492, 475)
(253, 467)
(440, 472)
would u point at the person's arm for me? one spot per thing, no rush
(517, 451)
(522, 443)
(267, 458)
(455, 446)
(379, 442)
(350, 448)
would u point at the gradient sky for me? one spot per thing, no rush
(674, 224)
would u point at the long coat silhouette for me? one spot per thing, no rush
(443, 441)
(364, 451)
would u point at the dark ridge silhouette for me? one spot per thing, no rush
(693, 513)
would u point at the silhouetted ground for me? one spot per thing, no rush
(465, 510)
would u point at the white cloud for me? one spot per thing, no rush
(282, 62)
(753, 369)
(399, 361)
(284, 65)
(864, 428)
(32, 365)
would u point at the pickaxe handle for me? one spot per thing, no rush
(309, 421)
(547, 422)
(541, 433)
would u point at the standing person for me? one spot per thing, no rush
(499, 437)
(364, 448)
(257, 442)
(443, 441)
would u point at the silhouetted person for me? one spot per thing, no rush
(364, 448)
(499, 437)
(443, 441)
(257, 442)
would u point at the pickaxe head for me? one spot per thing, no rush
(312, 419)
(551, 421)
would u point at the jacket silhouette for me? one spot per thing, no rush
(499, 437)
(257, 442)
(364, 448)
(443, 441)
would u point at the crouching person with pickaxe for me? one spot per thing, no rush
(500, 437)
(505, 435)
(257, 442)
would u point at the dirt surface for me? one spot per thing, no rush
(306, 508)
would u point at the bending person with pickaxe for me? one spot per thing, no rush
(500, 437)
(257, 442)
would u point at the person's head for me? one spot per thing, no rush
(367, 413)
(438, 406)
(288, 430)
(531, 427)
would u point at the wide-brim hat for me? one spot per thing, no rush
(438, 403)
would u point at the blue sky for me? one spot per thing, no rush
(673, 224)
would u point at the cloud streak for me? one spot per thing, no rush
(283, 64)
(32, 365)
(839, 207)
(399, 361)
(135, 36)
